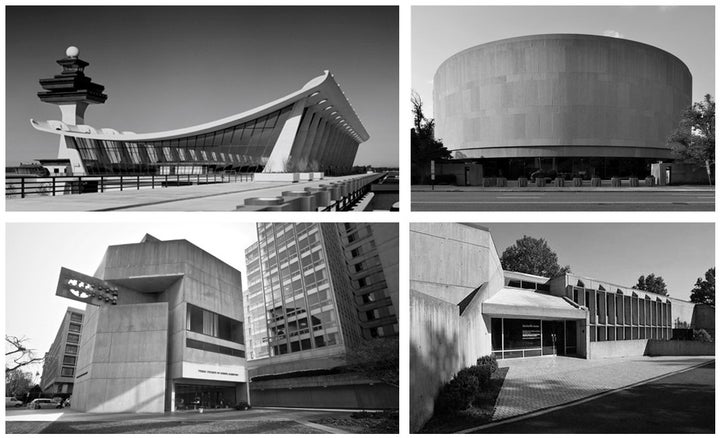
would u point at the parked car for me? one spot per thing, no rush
(43, 403)
(66, 403)
(12, 402)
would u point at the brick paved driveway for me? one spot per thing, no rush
(538, 383)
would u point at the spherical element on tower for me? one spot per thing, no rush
(72, 52)
(560, 95)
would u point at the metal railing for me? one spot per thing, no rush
(26, 186)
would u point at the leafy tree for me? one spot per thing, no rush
(377, 359)
(423, 145)
(704, 290)
(652, 283)
(532, 256)
(693, 141)
(17, 354)
(18, 383)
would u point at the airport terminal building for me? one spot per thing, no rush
(463, 306)
(582, 105)
(163, 330)
(313, 129)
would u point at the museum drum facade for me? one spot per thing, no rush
(582, 105)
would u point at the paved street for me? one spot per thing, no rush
(256, 420)
(563, 200)
(680, 403)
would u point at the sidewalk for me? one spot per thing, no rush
(539, 383)
(548, 188)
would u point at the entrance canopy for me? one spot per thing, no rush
(522, 303)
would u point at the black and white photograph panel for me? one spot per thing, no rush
(562, 328)
(192, 108)
(183, 328)
(559, 108)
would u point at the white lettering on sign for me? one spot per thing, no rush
(227, 373)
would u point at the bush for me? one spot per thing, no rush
(457, 394)
(489, 360)
(702, 336)
(242, 406)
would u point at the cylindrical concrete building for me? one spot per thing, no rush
(578, 104)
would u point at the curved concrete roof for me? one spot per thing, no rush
(323, 88)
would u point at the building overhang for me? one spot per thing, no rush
(521, 303)
(147, 283)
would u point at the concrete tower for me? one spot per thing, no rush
(72, 91)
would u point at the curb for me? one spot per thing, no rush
(579, 401)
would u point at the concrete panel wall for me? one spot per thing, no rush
(601, 350)
(377, 396)
(563, 90)
(125, 367)
(680, 348)
(448, 262)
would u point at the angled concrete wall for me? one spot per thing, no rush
(447, 262)
(560, 95)
(123, 359)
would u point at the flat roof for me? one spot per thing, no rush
(522, 303)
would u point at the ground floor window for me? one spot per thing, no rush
(189, 397)
(532, 337)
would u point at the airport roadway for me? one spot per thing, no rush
(586, 200)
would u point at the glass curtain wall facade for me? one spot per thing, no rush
(255, 318)
(301, 311)
(245, 148)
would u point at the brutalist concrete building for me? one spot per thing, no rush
(585, 105)
(463, 306)
(163, 330)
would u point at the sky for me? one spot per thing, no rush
(36, 252)
(172, 67)
(439, 32)
(619, 253)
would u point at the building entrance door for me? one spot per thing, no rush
(553, 338)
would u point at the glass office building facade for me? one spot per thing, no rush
(61, 359)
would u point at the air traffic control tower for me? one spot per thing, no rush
(72, 91)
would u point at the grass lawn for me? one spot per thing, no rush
(476, 415)
(364, 422)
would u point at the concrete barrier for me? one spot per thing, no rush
(559, 182)
(502, 182)
(679, 348)
(522, 182)
(577, 182)
(595, 182)
(634, 182)
(322, 196)
(605, 349)
(650, 181)
(615, 182)
(540, 182)
(308, 200)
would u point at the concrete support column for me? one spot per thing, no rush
(312, 132)
(281, 151)
(299, 148)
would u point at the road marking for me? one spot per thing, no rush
(518, 197)
(583, 400)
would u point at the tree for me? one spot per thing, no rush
(532, 256)
(18, 383)
(423, 145)
(17, 354)
(652, 283)
(377, 359)
(704, 290)
(693, 141)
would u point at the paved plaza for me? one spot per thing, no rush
(256, 420)
(205, 197)
(538, 383)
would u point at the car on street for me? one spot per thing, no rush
(12, 402)
(43, 403)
